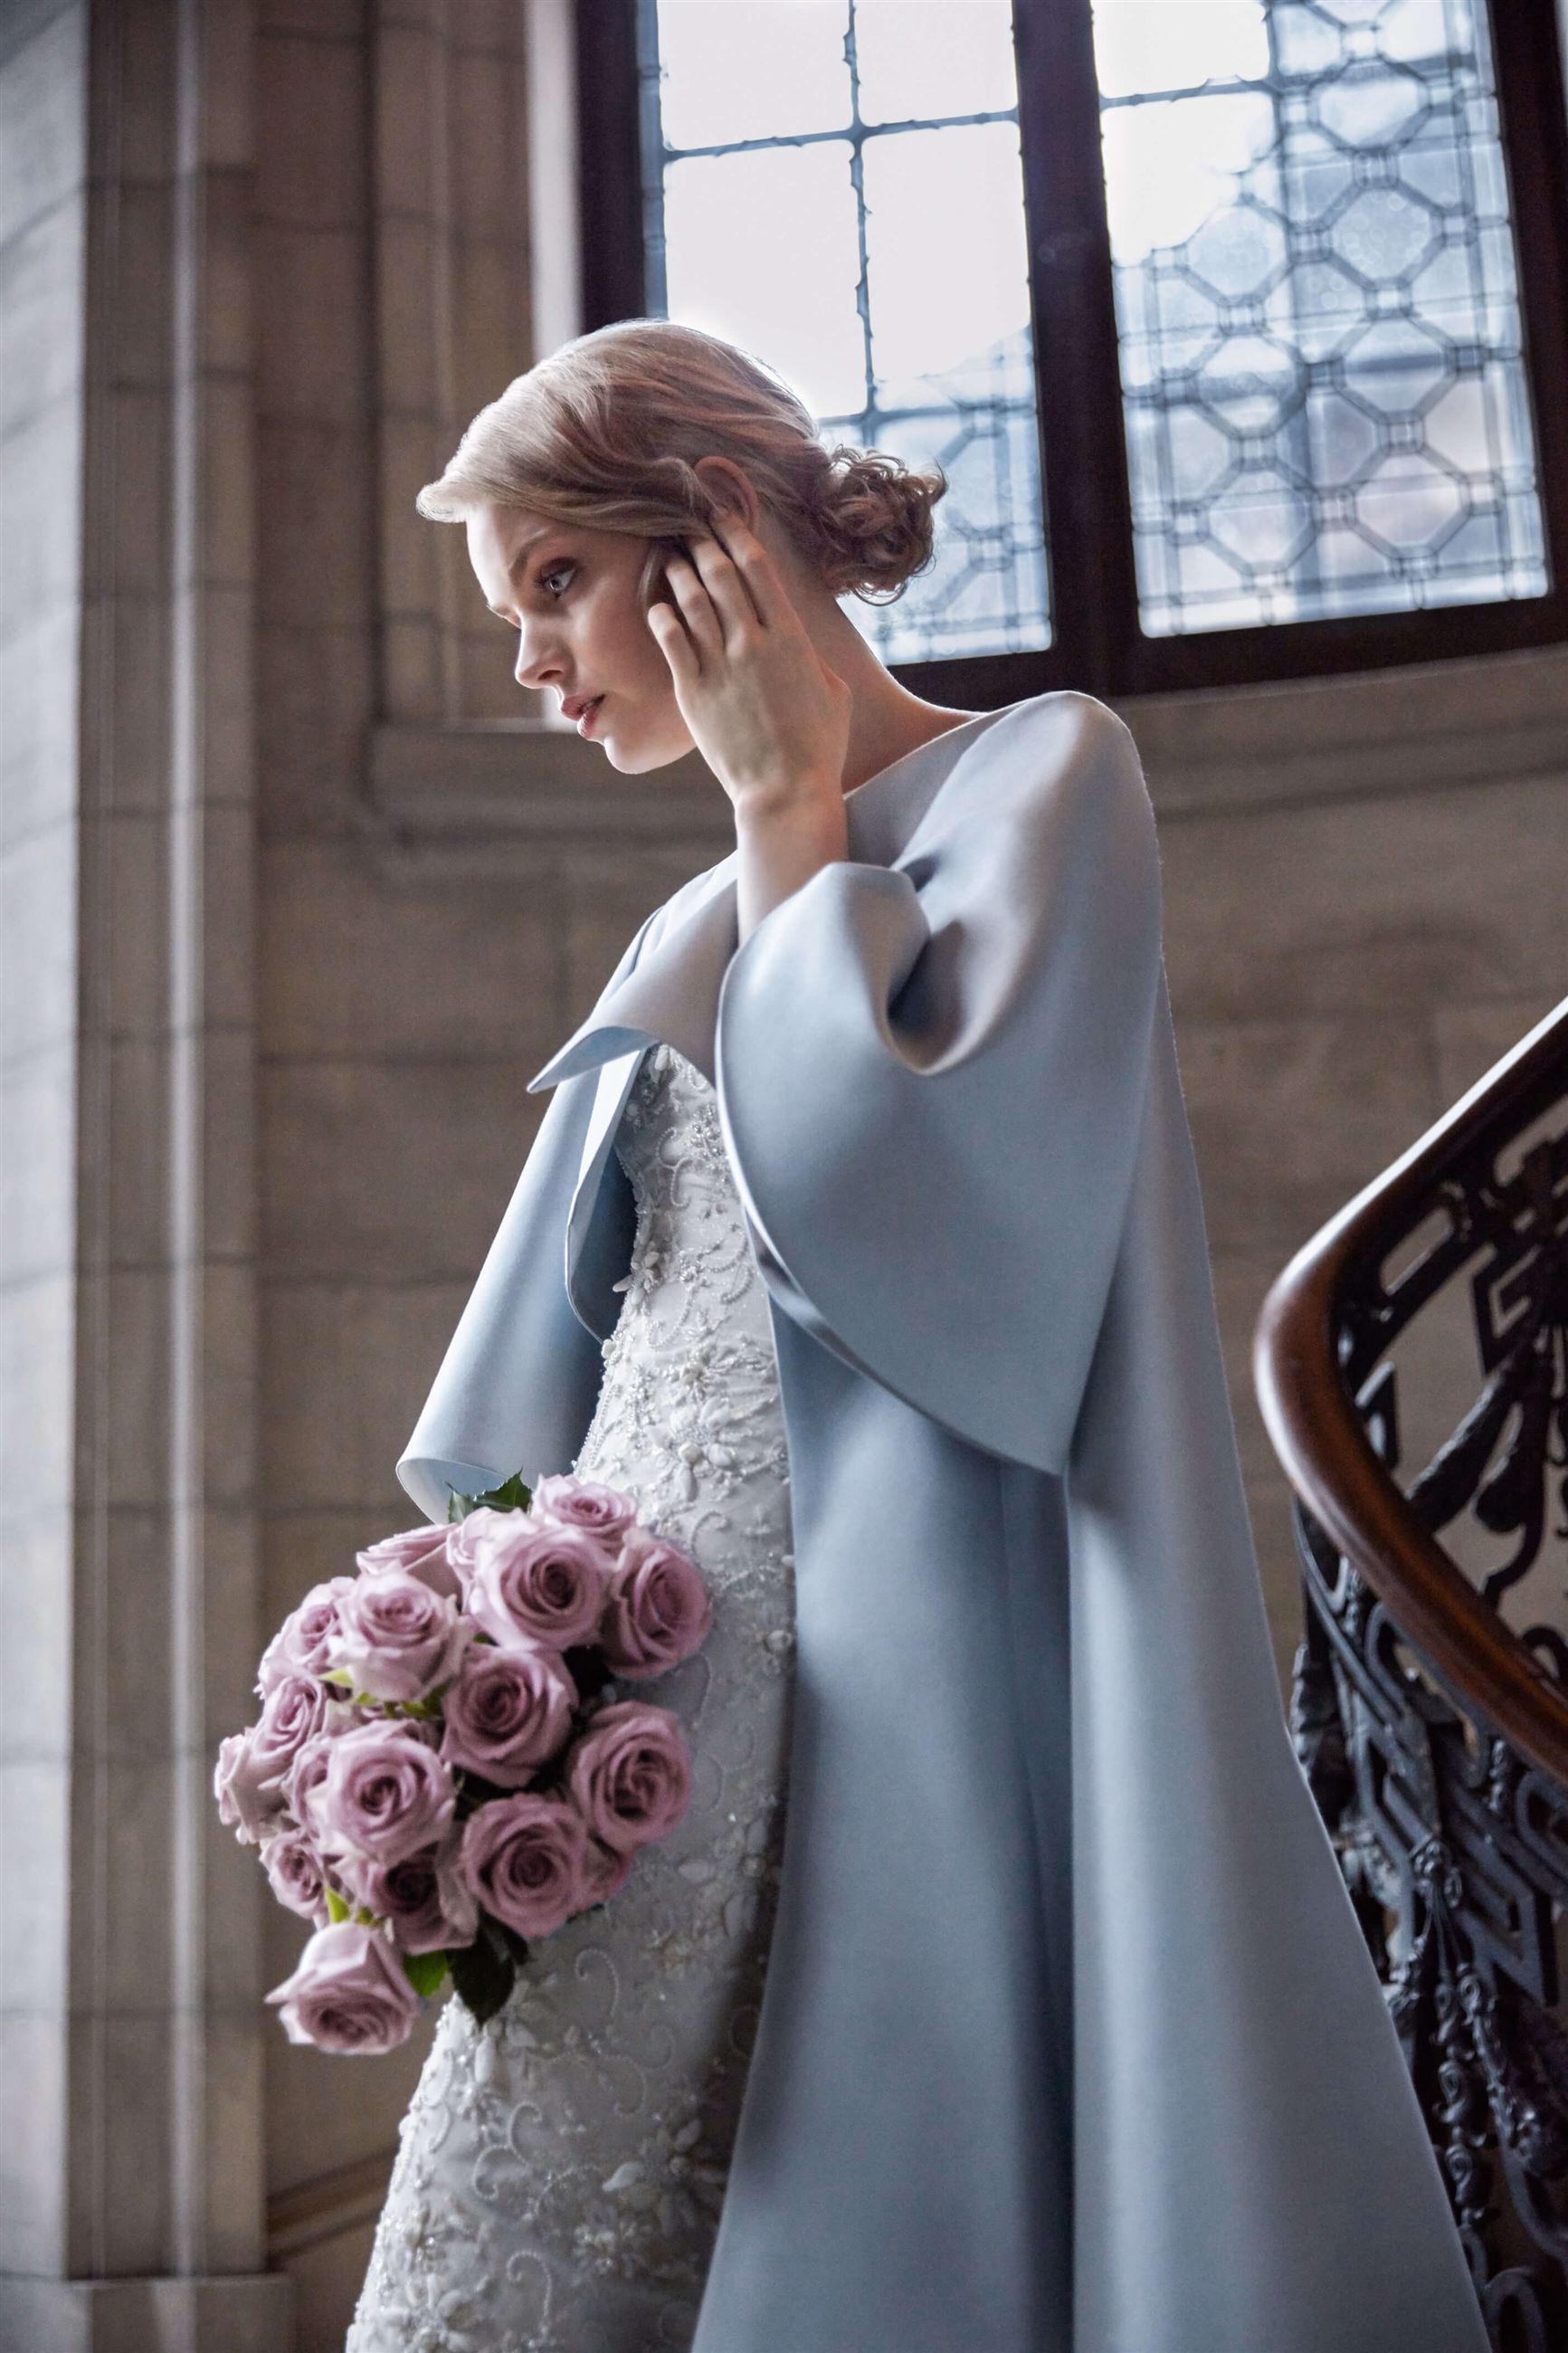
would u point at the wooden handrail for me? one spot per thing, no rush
(326, 2205)
(1327, 1455)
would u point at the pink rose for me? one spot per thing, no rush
(397, 1638)
(630, 1775)
(573, 1503)
(385, 1794)
(253, 1766)
(418, 1552)
(298, 1874)
(606, 1872)
(299, 1647)
(425, 1900)
(537, 1582)
(294, 1711)
(658, 1611)
(349, 1993)
(247, 1802)
(305, 1775)
(309, 1770)
(464, 1536)
(525, 1857)
(507, 1711)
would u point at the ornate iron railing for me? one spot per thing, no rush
(1430, 1701)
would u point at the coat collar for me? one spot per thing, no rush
(671, 993)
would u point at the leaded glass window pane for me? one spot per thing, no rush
(837, 185)
(1326, 405)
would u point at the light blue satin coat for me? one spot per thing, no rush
(1070, 2042)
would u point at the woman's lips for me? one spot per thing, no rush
(585, 718)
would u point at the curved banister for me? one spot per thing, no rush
(1331, 1461)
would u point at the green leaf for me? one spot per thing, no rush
(426, 1972)
(338, 1675)
(512, 1495)
(516, 1946)
(336, 1908)
(482, 1977)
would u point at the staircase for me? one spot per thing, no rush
(1430, 1699)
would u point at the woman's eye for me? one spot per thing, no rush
(556, 572)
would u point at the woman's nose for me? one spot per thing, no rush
(538, 664)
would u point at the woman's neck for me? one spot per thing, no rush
(885, 718)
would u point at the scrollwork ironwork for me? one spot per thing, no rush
(1454, 1848)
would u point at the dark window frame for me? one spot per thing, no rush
(1099, 647)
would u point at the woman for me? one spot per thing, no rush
(862, 1237)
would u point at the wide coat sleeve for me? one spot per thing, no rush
(933, 1073)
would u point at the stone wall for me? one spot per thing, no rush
(132, 2077)
(1367, 906)
(43, 235)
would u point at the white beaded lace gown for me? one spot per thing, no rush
(561, 2171)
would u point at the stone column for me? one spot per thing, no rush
(131, 2088)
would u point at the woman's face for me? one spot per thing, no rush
(569, 591)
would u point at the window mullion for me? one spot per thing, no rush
(1528, 57)
(1084, 455)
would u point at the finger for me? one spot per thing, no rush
(674, 644)
(760, 574)
(732, 598)
(695, 608)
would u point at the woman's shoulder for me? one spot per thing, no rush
(1050, 758)
(1070, 722)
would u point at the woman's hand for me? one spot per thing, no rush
(764, 709)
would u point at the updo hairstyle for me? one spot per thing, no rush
(606, 432)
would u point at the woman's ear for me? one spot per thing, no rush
(730, 488)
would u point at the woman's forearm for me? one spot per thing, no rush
(781, 843)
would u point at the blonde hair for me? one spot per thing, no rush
(606, 432)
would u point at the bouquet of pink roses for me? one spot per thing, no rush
(442, 1767)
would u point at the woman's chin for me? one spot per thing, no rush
(640, 759)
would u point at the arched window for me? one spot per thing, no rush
(1237, 326)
